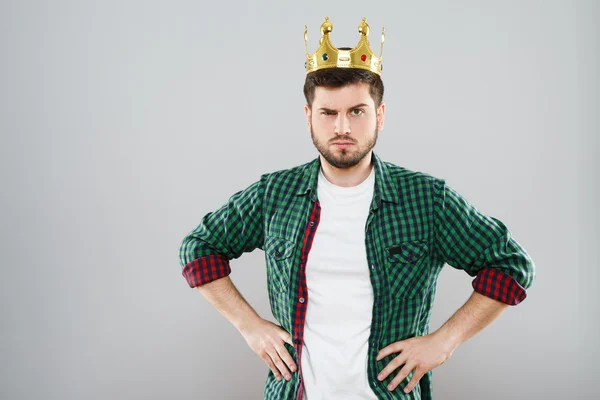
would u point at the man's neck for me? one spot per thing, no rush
(347, 177)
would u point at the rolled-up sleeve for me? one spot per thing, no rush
(222, 235)
(482, 246)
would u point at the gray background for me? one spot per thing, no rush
(123, 123)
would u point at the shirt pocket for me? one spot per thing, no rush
(407, 268)
(278, 254)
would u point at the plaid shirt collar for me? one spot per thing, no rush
(385, 185)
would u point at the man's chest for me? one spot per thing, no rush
(392, 240)
(338, 257)
(385, 225)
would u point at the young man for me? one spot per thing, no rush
(353, 248)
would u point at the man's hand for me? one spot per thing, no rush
(422, 354)
(267, 340)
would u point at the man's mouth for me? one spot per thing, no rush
(343, 145)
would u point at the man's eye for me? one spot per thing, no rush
(359, 111)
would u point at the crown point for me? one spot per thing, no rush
(363, 27)
(326, 27)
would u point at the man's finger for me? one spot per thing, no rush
(409, 366)
(392, 366)
(286, 357)
(395, 347)
(267, 359)
(415, 379)
(279, 364)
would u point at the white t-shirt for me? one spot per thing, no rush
(340, 296)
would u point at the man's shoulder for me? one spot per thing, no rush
(404, 176)
(289, 177)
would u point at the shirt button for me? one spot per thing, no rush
(311, 223)
(301, 300)
(373, 267)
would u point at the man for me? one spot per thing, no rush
(353, 248)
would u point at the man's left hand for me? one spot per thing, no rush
(421, 353)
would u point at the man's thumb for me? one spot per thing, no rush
(287, 338)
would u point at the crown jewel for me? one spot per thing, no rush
(328, 56)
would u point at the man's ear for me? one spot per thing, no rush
(308, 113)
(380, 116)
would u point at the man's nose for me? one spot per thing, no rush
(342, 124)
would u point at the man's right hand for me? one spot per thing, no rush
(267, 340)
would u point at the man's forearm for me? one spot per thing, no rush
(224, 296)
(477, 313)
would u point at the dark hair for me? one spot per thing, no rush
(339, 77)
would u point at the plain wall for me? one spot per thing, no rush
(123, 123)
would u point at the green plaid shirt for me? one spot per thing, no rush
(416, 225)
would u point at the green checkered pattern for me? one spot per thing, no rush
(417, 224)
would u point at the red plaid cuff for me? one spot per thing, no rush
(494, 283)
(206, 269)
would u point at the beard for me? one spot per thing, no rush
(344, 158)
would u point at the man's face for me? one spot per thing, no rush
(347, 114)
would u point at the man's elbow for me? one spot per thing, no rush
(205, 269)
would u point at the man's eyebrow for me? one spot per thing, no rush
(351, 108)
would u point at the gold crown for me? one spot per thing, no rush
(328, 56)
